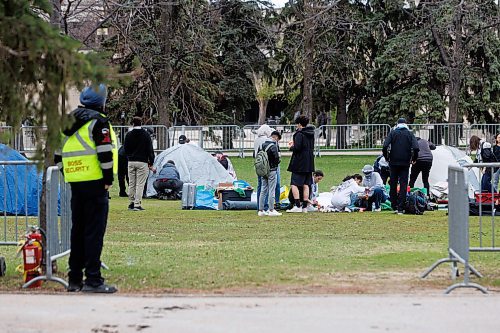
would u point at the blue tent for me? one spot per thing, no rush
(20, 185)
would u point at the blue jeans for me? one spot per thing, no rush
(378, 197)
(278, 186)
(277, 191)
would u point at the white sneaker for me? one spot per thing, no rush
(295, 209)
(347, 210)
(274, 213)
(377, 210)
(304, 210)
(262, 213)
(312, 209)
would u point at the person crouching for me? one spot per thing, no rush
(168, 179)
(376, 190)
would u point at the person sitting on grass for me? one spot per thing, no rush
(347, 193)
(376, 190)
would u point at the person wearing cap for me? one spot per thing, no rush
(276, 136)
(182, 139)
(376, 194)
(141, 156)
(423, 164)
(168, 178)
(400, 150)
(88, 160)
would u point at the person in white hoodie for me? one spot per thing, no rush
(263, 134)
(376, 190)
(344, 193)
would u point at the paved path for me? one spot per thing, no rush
(26, 313)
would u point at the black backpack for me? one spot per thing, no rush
(416, 203)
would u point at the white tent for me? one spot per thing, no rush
(445, 156)
(194, 164)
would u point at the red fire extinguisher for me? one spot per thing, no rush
(32, 256)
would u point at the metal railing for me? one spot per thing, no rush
(456, 135)
(485, 131)
(17, 193)
(458, 230)
(58, 230)
(227, 138)
(159, 135)
(351, 137)
(250, 134)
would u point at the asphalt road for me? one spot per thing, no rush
(26, 313)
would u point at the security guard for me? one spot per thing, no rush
(88, 160)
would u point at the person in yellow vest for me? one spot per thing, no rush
(88, 160)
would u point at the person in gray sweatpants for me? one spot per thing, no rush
(268, 188)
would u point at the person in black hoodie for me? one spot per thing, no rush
(86, 160)
(140, 155)
(400, 149)
(423, 164)
(302, 163)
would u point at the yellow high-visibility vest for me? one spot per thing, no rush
(79, 155)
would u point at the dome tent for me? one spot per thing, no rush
(194, 165)
(15, 182)
(444, 156)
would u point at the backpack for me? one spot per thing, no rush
(261, 163)
(416, 203)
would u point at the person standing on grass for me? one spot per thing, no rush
(263, 134)
(423, 164)
(400, 150)
(302, 163)
(88, 160)
(122, 171)
(140, 155)
(268, 189)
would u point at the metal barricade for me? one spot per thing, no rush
(226, 138)
(58, 230)
(485, 131)
(18, 213)
(159, 135)
(456, 135)
(249, 134)
(351, 137)
(458, 230)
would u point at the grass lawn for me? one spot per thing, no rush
(166, 249)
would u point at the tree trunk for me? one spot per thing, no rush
(341, 119)
(307, 98)
(262, 110)
(453, 106)
(162, 91)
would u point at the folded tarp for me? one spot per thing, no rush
(239, 205)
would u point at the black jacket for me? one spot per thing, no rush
(302, 160)
(425, 153)
(403, 147)
(272, 154)
(139, 147)
(101, 136)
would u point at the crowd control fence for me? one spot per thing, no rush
(236, 139)
(58, 228)
(19, 201)
(483, 235)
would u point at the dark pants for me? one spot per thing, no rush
(486, 181)
(89, 205)
(425, 168)
(378, 197)
(399, 174)
(160, 185)
(384, 174)
(122, 173)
